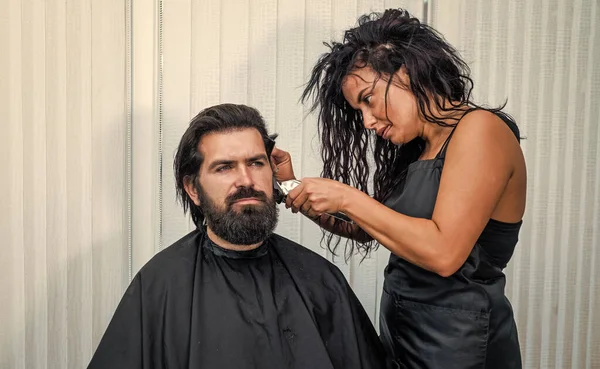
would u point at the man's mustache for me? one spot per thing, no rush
(246, 193)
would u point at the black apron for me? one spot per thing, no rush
(463, 321)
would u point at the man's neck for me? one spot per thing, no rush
(228, 245)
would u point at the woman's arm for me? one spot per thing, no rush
(480, 161)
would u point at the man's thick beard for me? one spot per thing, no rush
(251, 225)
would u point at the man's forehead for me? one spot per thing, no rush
(239, 144)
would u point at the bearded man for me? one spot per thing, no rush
(232, 294)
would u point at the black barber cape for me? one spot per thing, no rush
(197, 305)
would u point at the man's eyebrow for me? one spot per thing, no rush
(258, 157)
(218, 162)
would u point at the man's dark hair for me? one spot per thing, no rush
(188, 159)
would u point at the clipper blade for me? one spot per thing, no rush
(287, 186)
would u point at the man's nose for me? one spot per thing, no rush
(244, 179)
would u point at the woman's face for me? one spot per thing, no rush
(400, 123)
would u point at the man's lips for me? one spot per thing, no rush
(247, 200)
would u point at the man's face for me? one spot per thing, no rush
(235, 189)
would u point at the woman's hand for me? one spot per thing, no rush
(282, 161)
(316, 196)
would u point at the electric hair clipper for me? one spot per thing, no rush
(281, 190)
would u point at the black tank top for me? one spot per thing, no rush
(462, 321)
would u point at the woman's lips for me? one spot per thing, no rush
(385, 132)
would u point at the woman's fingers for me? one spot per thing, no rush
(309, 212)
(300, 201)
(282, 165)
(280, 155)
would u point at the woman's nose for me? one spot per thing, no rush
(369, 120)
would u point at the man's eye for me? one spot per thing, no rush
(258, 164)
(223, 168)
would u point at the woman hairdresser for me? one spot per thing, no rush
(448, 189)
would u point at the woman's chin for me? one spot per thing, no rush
(395, 140)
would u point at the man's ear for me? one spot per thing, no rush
(190, 189)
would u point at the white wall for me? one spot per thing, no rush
(63, 192)
(94, 97)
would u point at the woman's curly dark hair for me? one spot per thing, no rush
(385, 42)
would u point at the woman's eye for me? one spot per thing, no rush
(367, 99)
